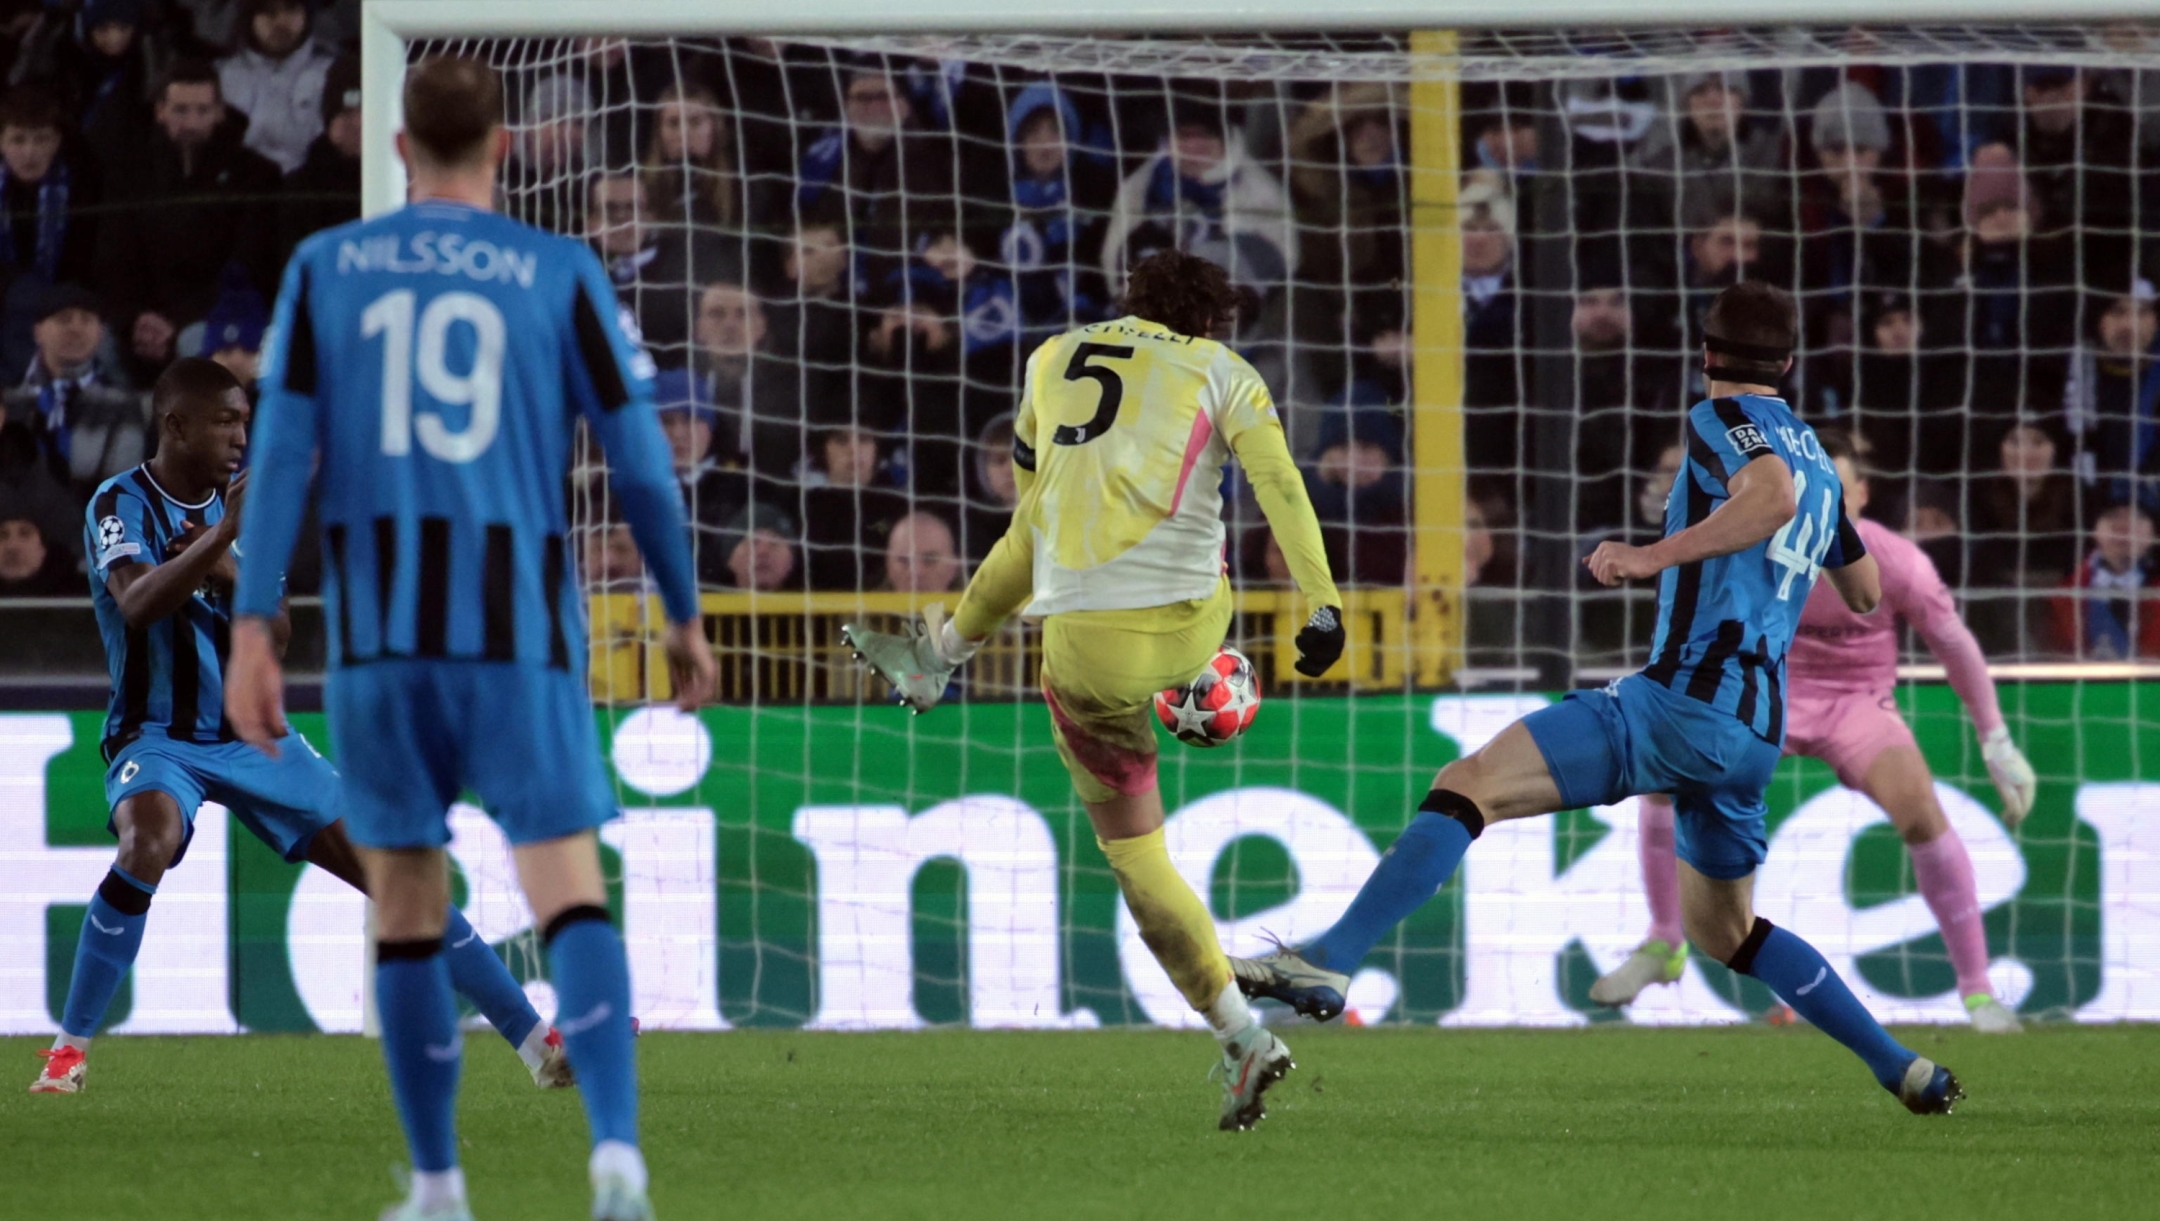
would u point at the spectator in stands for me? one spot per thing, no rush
(766, 402)
(655, 269)
(690, 168)
(99, 62)
(759, 543)
(2111, 398)
(325, 190)
(1646, 523)
(232, 333)
(878, 172)
(29, 488)
(1061, 194)
(849, 507)
(1930, 519)
(1710, 152)
(609, 560)
(1346, 176)
(1625, 396)
(88, 422)
(995, 491)
(48, 199)
(1724, 247)
(1500, 128)
(276, 79)
(1496, 317)
(713, 492)
(31, 566)
(1862, 217)
(1202, 192)
(554, 145)
(2018, 310)
(2024, 532)
(1905, 396)
(815, 323)
(199, 201)
(921, 556)
(2081, 158)
(1359, 492)
(2113, 610)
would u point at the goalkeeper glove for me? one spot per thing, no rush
(2013, 776)
(1320, 642)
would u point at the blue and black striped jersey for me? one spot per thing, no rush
(437, 360)
(168, 678)
(1725, 624)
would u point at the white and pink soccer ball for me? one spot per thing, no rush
(1216, 706)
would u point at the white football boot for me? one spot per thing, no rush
(1653, 962)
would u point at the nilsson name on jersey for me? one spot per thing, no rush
(432, 253)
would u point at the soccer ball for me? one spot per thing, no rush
(1216, 706)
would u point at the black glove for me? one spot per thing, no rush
(1320, 643)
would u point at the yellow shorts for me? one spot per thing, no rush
(1100, 673)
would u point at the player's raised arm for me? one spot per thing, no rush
(610, 379)
(1254, 433)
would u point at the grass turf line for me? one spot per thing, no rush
(956, 1125)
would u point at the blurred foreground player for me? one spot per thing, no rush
(1757, 513)
(1843, 710)
(436, 361)
(1118, 450)
(160, 542)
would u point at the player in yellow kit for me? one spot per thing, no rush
(1119, 444)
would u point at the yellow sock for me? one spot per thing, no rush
(1172, 919)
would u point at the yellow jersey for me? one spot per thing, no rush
(1126, 426)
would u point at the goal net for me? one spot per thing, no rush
(1475, 269)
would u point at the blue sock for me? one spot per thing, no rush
(1803, 979)
(112, 935)
(1420, 861)
(592, 982)
(421, 1045)
(480, 977)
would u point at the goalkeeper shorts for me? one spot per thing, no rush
(1847, 731)
(1100, 673)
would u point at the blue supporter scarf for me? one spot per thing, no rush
(52, 221)
(1166, 191)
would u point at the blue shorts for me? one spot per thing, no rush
(284, 801)
(1636, 737)
(412, 735)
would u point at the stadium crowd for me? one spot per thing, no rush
(840, 263)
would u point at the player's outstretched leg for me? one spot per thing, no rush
(1508, 778)
(1720, 917)
(1898, 780)
(476, 973)
(151, 831)
(1662, 957)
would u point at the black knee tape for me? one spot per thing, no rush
(420, 949)
(122, 895)
(1455, 806)
(573, 915)
(1743, 959)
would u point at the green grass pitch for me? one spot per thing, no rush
(953, 1125)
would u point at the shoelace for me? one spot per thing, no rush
(58, 1060)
